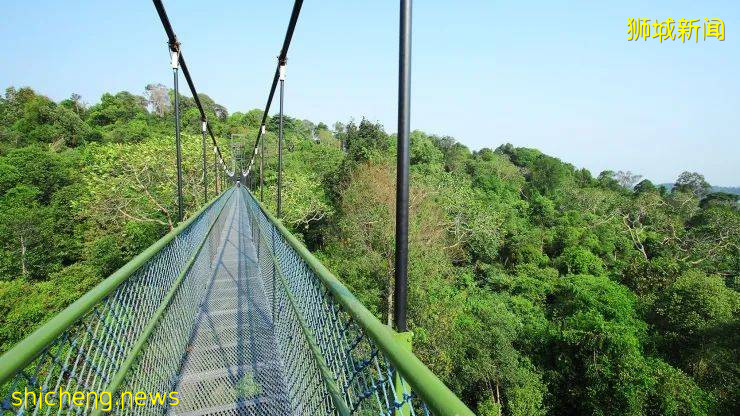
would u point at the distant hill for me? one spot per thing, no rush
(728, 189)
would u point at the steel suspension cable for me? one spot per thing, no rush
(174, 46)
(282, 61)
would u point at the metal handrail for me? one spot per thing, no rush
(30, 347)
(438, 397)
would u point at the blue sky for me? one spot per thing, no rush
(558, 77)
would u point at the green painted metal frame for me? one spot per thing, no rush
(29, 348)
(437, 396)
(120, 375)
(326, 374)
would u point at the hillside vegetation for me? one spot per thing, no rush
(535, 287)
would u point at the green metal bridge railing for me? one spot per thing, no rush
(131, 332)
(92, 344)
(365, 366)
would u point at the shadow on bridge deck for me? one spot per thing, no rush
(232, 365)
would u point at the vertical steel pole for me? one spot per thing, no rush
(215, 171)
(175, 68)
(233, 153)
(205, 174)
(262, 164)
(402, 162)
(280, 142)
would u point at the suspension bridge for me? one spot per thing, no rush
(231, 311)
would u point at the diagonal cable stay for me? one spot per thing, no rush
(282, 61)
(175, 47)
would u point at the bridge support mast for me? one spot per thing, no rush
(262, 162)
(280, 141)
(205, 177)
(175, 67)
(402, 166)
(215, 171)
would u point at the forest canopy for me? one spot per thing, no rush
(536, 287)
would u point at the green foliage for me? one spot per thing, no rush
(495, 173)
(121, 107)
(364, 142)
(542, 210)
(73, 210)
(487, 330)
(28, 118)
(26, 234)
(105, 254)
(645, 186)
(534, 287)
(607, 179)
(489, 407)
(697, 329)
(692, 182)
(40, 300)
(579, 260)
(134, 131)
(595, 348)
(252, 119)
(720, 198)
(42, 169)
(456, 155)
(548, 174)
(675, 393)
(423, 151)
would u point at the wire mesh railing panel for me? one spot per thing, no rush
(87, 355)
(160, 362)
(232, 365)
(306, 390)
(366, 379)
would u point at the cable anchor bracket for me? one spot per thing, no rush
(283, 64)
(175, 58)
